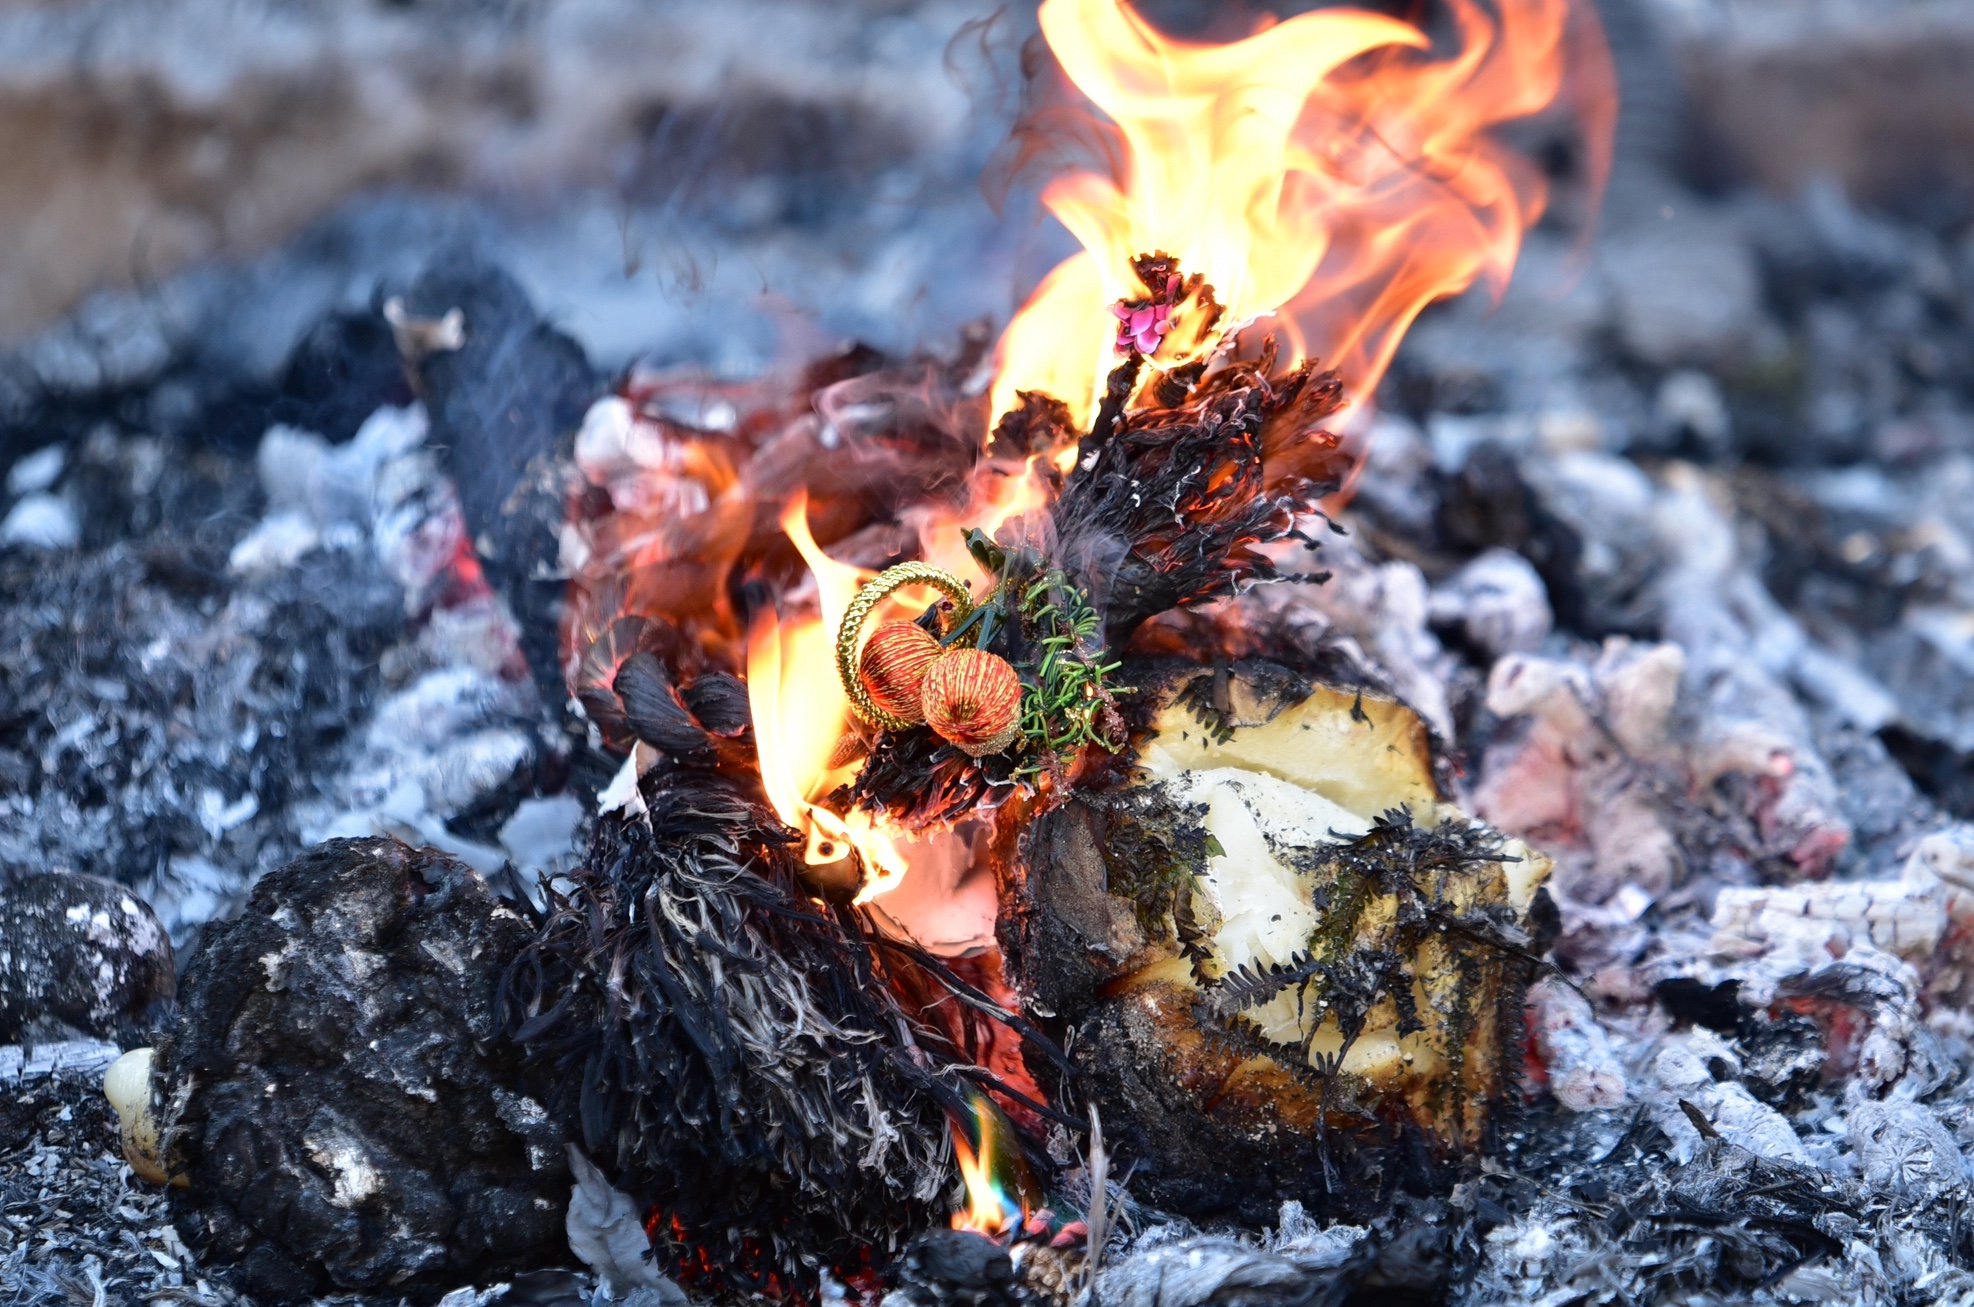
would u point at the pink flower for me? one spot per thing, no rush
(1141, 328)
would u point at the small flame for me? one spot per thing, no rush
(800, 712)
(1326, 169)
(991, 1209)
(1016, 495)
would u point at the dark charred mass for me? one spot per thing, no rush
(505, 405)
(732, 1047)
(338, 1096)
(1284, 967)
(82, 953)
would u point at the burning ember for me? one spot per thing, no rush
(998, 1187)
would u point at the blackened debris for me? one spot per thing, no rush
(922, 782)
(141, 679)
(342, 1108)
(1117, 392)
(1403, 862)
(1717, 1007)
(1944, 773)
(1152, 849)
(505, 407)
(653, 709)
(640, 680)
(719, 701)
(1036, 424)
(343, 369)
(1166, 509)
(1487, 504)
(1784, 1056)
(957, 1268)
(84, 953)
(732, 1047)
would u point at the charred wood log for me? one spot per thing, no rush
(1289, 968)
(505, 404)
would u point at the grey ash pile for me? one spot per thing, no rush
(76, 1226)
(238, 620)
(164, 712)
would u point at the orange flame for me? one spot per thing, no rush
(800, 712)
(996, 1202)
(1327, 169)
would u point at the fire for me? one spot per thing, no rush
(800, 712)
(1000, 494)
(1330, 175)
(1327, 170)
(989, 1172)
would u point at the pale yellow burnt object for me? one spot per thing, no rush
(127, 1084)
(1304, 775)
(1144, 938)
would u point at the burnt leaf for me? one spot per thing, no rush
(652, 706)
(1250, 985)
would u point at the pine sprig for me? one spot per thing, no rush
(1067, 700)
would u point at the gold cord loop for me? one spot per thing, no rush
(849, 637)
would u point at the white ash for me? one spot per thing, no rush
(1498, 602)
(1682, 1077)
(1582, 1070)
(75, 1225)
(41, 521)
(606, 1231)
(37, 471)
(1176, 1265)
(463, 726)
(1375, 612)
(80, 1057)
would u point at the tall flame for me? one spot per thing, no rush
(800, 712)
(1327, 169)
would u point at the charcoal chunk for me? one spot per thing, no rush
(956, 1267)
(348, 1119)
(505, 407)
(83, 953)
(343, 369)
